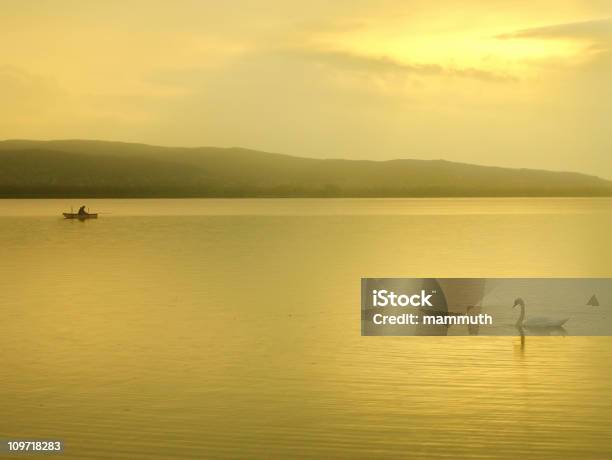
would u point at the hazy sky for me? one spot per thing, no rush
(509, 83)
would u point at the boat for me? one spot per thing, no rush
(76, 215)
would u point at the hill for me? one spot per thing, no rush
(115, 169)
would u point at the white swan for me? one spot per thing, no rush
(536, 321)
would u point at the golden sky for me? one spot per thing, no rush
(509, 83)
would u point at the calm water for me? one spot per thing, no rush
(230, 328)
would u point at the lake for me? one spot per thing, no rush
(231, 329)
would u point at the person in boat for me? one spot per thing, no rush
(82, 211)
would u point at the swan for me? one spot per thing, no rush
(536, 321)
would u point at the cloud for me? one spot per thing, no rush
(26, 94)
(387, 65)
(594, 30)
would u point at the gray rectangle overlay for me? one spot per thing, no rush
(486, 306)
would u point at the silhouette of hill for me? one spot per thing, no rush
(115, 169)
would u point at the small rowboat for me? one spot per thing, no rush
(76, 215)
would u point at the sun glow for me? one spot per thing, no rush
(503, 56)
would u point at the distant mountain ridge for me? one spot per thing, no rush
(115, 169)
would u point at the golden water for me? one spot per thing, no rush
(231, 328)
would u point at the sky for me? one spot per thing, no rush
(495, 82)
